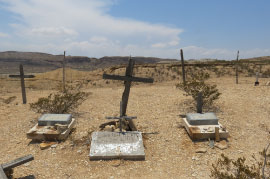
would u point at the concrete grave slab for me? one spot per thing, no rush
(52, 119)
(117, 145)
(49, 133)
(200, 132)
(202, 118)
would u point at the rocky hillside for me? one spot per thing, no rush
(41, 62)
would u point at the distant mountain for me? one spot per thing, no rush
(35, 62)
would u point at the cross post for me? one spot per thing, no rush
(128, 78)
(120, 118)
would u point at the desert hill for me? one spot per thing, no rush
(36, 62)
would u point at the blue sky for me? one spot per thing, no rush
(158, 28)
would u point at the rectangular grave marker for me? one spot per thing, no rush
(117, 145)
(52, 119)
(202, 119)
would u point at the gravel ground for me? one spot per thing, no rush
(242, 108)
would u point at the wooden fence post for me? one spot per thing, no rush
(22, 84)
(64, 72)
(183, 67)
(236, 67)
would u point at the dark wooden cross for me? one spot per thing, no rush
(22, 76)
(128, 78)
(7, 167)
(120, 118)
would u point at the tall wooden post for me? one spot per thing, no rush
(64, 72)
(199, 102)
(236, 67)
(183, 67)
(22, 84)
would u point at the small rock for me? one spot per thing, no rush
(108, 129)
(26, 164)
(45, 145)
(54, 146)
(240, 151)
(222, 145)
(201, 150)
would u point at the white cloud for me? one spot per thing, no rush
(2, 35)
(159, 45)
(77, 24)
(85, 27)
(53, 31)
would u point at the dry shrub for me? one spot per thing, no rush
(8, 100)
(197, 84)
(226, 168)
(60, 102)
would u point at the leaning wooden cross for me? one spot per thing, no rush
(6, 169)
(128, 78)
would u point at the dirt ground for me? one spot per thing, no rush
(242, 108)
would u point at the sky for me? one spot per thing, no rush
(153, 28)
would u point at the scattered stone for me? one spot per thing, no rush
(61, 128)
(45, 145)
(222, 145)
(201, 150)
(54, 146)
(240, 151)
(108, 128)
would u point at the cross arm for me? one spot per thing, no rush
(18, 76)
(2, 173)
(17, 162)
(123, 117)
(128, 78)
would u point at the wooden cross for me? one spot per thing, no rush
(120, 118)
(22, 76)
(128, 78)
(7, 167)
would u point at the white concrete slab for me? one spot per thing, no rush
(117, 145)
(202, 119)
(52, 119)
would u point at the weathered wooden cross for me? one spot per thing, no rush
(22, 76)
(128, 78)
(120, 118)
